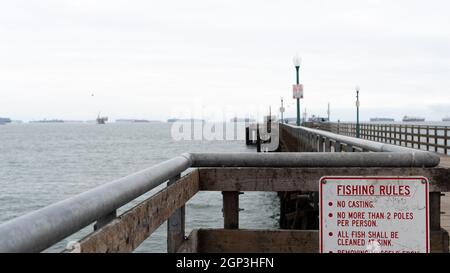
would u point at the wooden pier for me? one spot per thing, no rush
(303, 156)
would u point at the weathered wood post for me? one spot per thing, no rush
(349, 148)
(230, 209)
(247, 135)
(258, 140)
(327, 145)
(321, 142)
(435, 139)
(337, 146)
(445, 140)
(175, 225)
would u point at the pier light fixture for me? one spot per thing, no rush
(297, 62)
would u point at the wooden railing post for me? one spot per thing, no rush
(419, 138)
(230, 209)
(445, 140)
(337, 146)
(321, 142)
(435, 139)
(435, 211)
(327, 145)
(175, 225)
(395, 134)
(349, 148)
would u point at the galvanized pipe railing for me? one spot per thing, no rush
(312, 160)
(38, 230)
(313, 139)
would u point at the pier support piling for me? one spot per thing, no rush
(231, 209)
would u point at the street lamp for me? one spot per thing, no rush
(357, 111)
(297, 61)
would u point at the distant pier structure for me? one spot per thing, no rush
(101, 120)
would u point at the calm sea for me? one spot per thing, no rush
(44, 163)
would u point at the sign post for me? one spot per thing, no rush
(297, 91)
(374, 215)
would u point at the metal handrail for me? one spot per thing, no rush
(38, 230)
(427, 157)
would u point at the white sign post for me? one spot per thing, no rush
(374, 215)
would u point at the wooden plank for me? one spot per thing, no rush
(230, 209)
(305, 179)
(435, 210)
(130, 229)
(273, 241)
(257, 241)
(445, 211)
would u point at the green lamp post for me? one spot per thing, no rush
(297, 61)
(357, 111)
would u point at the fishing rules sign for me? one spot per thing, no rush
(374, 215)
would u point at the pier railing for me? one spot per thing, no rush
(230, 173)
(423, 137)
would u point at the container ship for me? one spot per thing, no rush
(5, 120)
(382, 120)
(411, 119)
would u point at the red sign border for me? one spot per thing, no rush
(427, 228)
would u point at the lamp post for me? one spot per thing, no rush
(297, 61)
(282, 110)
(357, 111)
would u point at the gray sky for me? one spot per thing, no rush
(146, 59)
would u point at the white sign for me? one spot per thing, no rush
(297, 90)
(374, 214)
(282, 109)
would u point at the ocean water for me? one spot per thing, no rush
(44, 163)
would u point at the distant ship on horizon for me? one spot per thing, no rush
(184, 120)
(101, 120)
(410, 119)
(382, 119)
(236, 119)
(5, 120)
(48, 121)
(446, 119)
(135, 121)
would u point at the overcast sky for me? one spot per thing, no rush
(149, 59)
